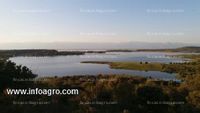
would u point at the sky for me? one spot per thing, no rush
(99, 21)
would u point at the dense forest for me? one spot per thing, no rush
(105, 93)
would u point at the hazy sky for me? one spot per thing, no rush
(99, 21)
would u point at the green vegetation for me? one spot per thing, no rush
(142, 66)
(37, 52)
(137, 66)
(182, 49)
(10, 71)
(95, 51)
(193, 57)
(186, 69)
(120, 50)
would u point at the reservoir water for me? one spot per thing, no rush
(71, 65)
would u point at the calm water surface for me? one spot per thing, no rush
(71, 65)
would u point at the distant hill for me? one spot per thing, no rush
(95, 45)
(48, 52)
(42, 52)
(37, 52)
(188, 49)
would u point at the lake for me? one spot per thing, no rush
(71, 65)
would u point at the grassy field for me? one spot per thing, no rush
(193, 57)
(142, 66)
